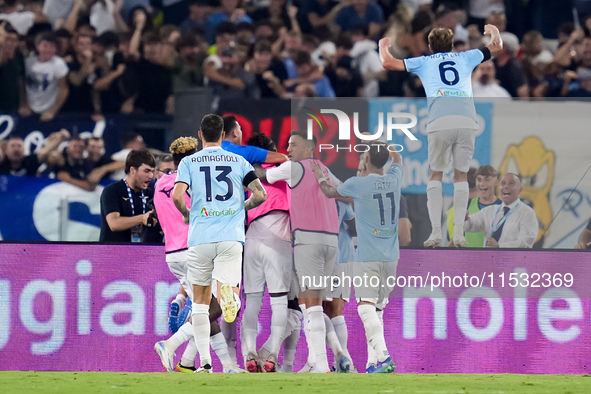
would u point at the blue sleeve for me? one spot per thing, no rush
(247, 167)
(473, 57)
(324, 88)
(252, 154)
(413, 64)
(349, 214)
(183, 174)
(348, 188)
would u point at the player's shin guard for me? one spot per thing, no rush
(317, 335)
(373, 330)
(340, 328)
(190, 353)
(461, 197)
(435, 206)
(229, 331)
(278, 322)
(201, 330)
(250, 321)
(220, 347)
(181, 336)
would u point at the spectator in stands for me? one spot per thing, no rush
(57, 11)
(245, 34)
(509, 70)
(199, 11)
(187, 70)
(499, 19)
(483, 184)
(361, 12)
(312, 74)
(263, 30)
(268, 70)
(480, 10)
(105, 15)
(485, 84)
(323, 13)
(130, 141)
(535, 59)
(346, 80)
(449, 16)
(12, 73)
(64, 43)
(366, 60)
(16, 163)
(513, 224)
(76, 168)
(173, 11)
(82, 76)
(46, 84)
(235, 81)
(231, 11)
(570, 53)
(20, 21)
(153, 82)
(102, 165)
(278, 14)
(169, 36)
(124, 212)
(584, 241)
(577, 84)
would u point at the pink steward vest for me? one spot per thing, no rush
(278, 195)
(171, 220)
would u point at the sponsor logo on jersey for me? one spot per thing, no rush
(225, 212)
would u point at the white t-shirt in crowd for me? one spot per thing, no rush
(490, 90)
(483, 8)
(41, 81)
(21, 21)
(57, 9)
(101, 16)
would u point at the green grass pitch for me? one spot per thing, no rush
(164, 383)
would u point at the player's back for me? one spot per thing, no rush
(447, 76)
(170, 218)
(216, 179)
(377, 207)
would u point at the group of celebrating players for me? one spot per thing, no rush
(297, 234)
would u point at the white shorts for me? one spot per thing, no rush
(177, 263)
(341, 288)
(314, 264)
(374, 290)
(453, 145)
(223, 260)
(267, 261)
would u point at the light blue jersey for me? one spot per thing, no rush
(447, 75)
(346, 247)
(377, 204)
(216, 178)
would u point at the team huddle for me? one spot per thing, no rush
(298, 217)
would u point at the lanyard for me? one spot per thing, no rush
(500, 223)
(131, 199)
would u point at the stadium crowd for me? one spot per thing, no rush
(106, 56)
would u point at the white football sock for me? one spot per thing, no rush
(250, 320)
(461, 197)
(182, 299)
(184, 333)
(373, 330)
(331, 337)
(340, 328)
(435, 205)
(278, 322)
(289, 349)
(220, 347)
(229, 331)
(317, 336)
(201, 330)
(189, 355)
(311, 354)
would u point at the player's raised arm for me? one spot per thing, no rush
(258, 196)
(389, 62)
(396, 157)
(329, 191)
(496, 43)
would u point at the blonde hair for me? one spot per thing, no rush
(183, 145)
(441, 39)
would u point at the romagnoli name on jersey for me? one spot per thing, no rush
(205, 158)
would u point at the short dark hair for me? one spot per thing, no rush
(230, 123)
(212, 127)
(304, 136)
(263, 46)
(486, 170)
(225, 28)
(360, 30)
(441, 39)
(344, 41)
(136, 158)
(46, 36)
(378, 153)
(166, 158)
(128, 137)
(262, 141)
(302, 58)
(8, 28)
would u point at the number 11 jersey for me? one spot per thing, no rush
(447, 80)
(215, 177)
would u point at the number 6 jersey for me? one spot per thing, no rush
(447, 80)
(215, 177)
